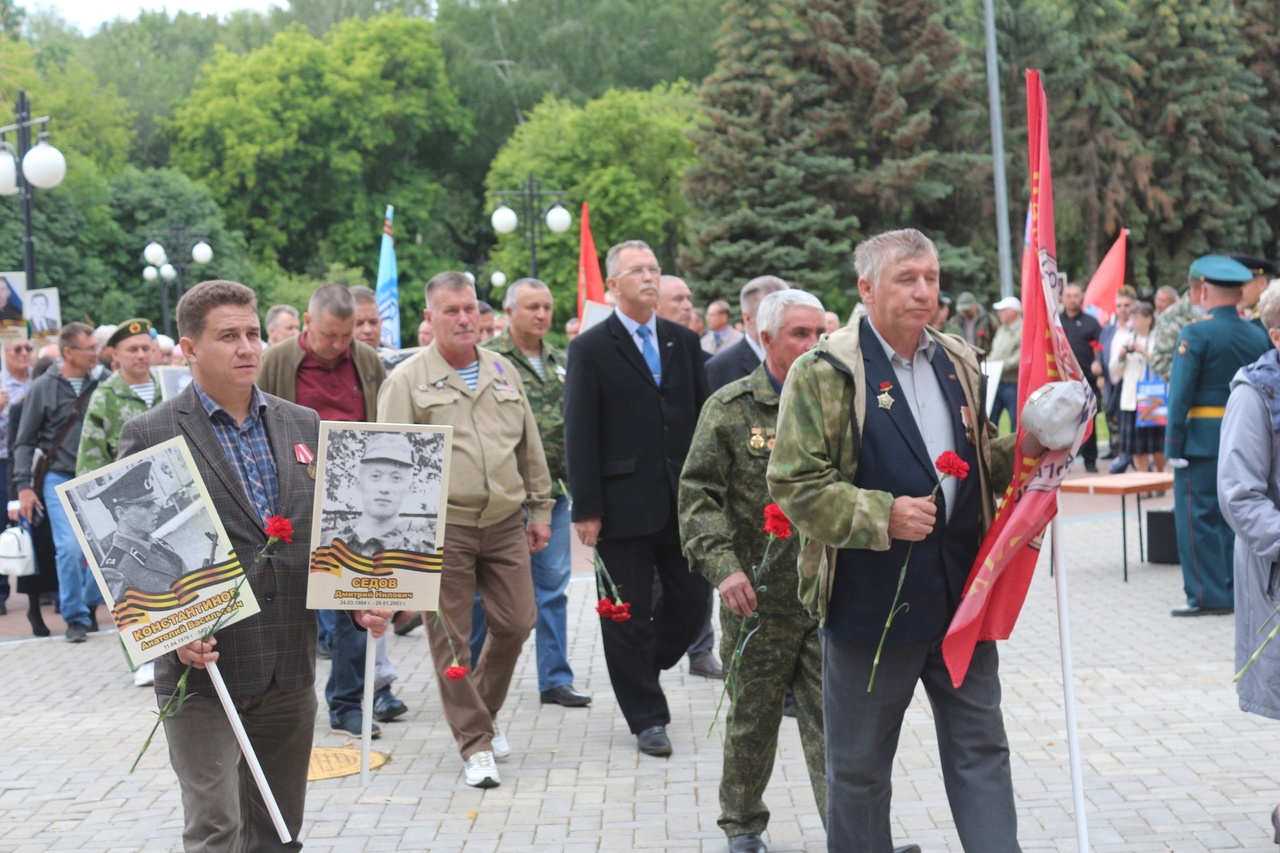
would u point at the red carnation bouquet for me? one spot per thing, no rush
(949, 464)
(610, 606)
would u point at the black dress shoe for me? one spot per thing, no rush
(93, 620)
(706, 665)
(565, 695)
(654, 741)
(1192, 610)
(1275, 823)
(907, 848)
(37, 623)
(1091, 467)
(749, 843)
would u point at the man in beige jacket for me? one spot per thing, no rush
(499, 510)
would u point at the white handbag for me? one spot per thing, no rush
(17, 554)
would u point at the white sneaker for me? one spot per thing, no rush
(481, 771)
(501, 746)
(145, 675)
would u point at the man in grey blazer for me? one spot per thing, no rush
(252, 451)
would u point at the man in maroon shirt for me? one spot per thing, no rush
(325, 369)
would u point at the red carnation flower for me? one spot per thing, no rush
(621, 611)
(1096, 346)
(776, 522)
(454, 672)
(279, 527)
(604, 607)
(951, 464)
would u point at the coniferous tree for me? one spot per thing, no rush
(826, 113)
(762, 196)
(1260, 32)
(1197, 107)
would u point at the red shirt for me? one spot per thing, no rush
(334, 392)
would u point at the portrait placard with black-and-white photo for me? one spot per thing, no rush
(158, 551)
(44, 315)
(13, 294)
(173, 380)
(381, 497)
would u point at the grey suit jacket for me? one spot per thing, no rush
(280, 642)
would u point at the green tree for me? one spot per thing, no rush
(1199, 110)
(304, 141)
(624, 154)
(868, 110)
(763, 190)
(1260, 33)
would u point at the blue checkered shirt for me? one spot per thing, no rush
(248, 449)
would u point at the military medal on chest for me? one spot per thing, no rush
(884, 398)
(757, 438)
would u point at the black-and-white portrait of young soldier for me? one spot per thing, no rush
(44, 311)
(382, 490)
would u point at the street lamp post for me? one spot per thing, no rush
(40, 165)
(170, 274)
(537, 207)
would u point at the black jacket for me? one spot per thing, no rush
(625, 437)
(734, 363)
(49, 402)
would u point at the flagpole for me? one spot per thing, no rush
(1068, 683)
(1003, 239)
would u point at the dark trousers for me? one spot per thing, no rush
(653, 639)
(1206, 544)
(862, 731)
(222, 808)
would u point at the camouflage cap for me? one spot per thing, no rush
(393, 447)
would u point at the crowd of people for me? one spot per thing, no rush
(658, 439)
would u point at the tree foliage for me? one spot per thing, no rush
(304, 141)
(624, 153)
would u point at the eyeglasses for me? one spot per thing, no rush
(639, 270)
(23, 348)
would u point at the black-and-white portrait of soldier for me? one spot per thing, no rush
(144, 522)
(44, 311)
(382, 490)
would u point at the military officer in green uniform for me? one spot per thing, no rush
(129, 392)
(136, 560)
(723, 493)
(1208, 354)
(385, 479)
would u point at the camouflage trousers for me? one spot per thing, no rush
(785, 652)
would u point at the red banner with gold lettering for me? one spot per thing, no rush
(998, 582)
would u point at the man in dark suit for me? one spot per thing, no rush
(251, 450)
(745, 356)
(634, 388)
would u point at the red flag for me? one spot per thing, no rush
(1108, 279)
(998, 582)
(590, 284)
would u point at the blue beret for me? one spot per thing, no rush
(1221, 271)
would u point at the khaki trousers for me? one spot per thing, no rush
(494, 562)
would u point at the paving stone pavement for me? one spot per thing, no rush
(1170, 762)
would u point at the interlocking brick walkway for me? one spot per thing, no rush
(1170, 762)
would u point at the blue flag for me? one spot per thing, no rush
(388, 291)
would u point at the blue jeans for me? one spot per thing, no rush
(77, 589)
(551, 568)
(324, 626)
(344, 690)
(1006, 400)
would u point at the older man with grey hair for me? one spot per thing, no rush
(869, 506)
(723, 492)
(282, 324)
(745, 356)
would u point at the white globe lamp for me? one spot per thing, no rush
(154, 253)
(558, 219)
(8, 172)
(202, 252)
(44, 166)
(150, 273)
(167, 272)
(504, 220)
(498, 279)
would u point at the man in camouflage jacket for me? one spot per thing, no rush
(115, 402)
(723, 494)
(1172, 321)
(861, 423)
(529, 306)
